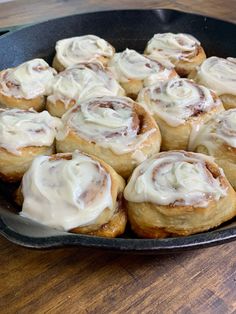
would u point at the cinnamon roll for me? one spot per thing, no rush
(219, 74)
(178, 193)
(178, 105)
(183, 50)
(217, 138)
(87, 48)
(115, 129)
(74, 192)
(78, 83)
(134, 71)
(24, 134)
(25, 86)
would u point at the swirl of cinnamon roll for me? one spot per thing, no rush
(173, 46)
(24, 134)
(183, 50)
(85, 80)
(177, 105)
(73, 192)
(133, 71)
(25, 85)
(110, 127)
(217, 138)
(28, 80)
(22, 128)
(178, 193)
(87, 48)
(219, 74)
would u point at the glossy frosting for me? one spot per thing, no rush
(83, 81)
(28, 80)
(177, 178)
(218, 74)
(22, 128)
(87, 48)
(220, 129)
(173, 46)
(65, 194)
(110, 121)
(177, 100)
(131, 65)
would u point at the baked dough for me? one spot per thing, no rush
(178, 193)
(24, 134)
(25, 86)
(116, 129)
(183, 50)
(178, 106)
(87, 48)
(135, 71)
(217, 138)
(74, 192)
(78, 83)
(219, 74)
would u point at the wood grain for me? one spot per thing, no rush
(24, 11)
(72, 280)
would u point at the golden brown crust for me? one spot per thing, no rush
(58, 108)
(229, 101)
(177, 138)
(132, 87)
(123, 164)
(150, 220)
(113, 228)
(225, 157)
(184, 68)
(13, 167)
(37, 103)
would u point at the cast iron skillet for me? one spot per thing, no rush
(122, 29)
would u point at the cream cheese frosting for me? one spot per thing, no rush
(23, 128)
(110, 121)
(28, 80)
(66, 193)
(173, 46)
(177, 100)
(175, 177)
(220, 129)
(87, 48)
(218, 74)
(131, 65)
(86, 80)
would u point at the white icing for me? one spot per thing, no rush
(218, 74)
(220, 129)
(177, 100)
(107, 121)
(65, 194)
(173, 46)
(87, 48)
(82, 82)
(28, 80)
(138, 156)
(130, 65)
(22, 128)
(174, 178)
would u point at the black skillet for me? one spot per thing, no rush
(122, 29)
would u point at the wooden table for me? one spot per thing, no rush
(72, 280)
